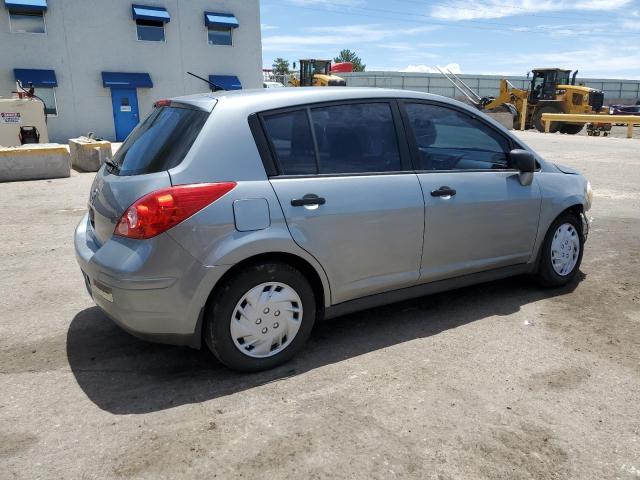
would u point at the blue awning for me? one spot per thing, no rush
(26, 5)
(143, 12)
(39, 78)
(126, 80)
(220, 20)
(228, 82)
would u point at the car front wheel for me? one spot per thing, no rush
(561, 252)
(260, 317)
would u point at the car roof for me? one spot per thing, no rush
(269, 98)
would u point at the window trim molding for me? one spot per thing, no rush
(231, 29)
(55, 102)
(44, 22)
(164, 33)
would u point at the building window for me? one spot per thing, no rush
(48, 95)
(219, 35)
(26, 22)
(150, 30)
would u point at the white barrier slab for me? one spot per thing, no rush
(34, 162)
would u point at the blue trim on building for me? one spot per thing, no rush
(26, 5)
(228, 82)
(39, 78)
(220, 20)
(126, 80)
(144, 12)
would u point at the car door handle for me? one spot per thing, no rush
(443, 191)
(308, 199)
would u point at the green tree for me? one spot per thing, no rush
(347, 55)
(280, 66)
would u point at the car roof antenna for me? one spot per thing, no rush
(214, 86)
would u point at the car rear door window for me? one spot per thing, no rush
(292, 143)
(346, 138)
(356, 138)
(448, 139)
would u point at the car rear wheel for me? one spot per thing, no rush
(561, 252)
(260, 317)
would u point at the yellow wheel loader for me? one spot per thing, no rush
(552, 90)
(316, 73)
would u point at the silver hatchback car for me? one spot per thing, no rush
(241, 218)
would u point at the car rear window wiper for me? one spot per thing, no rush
(112, 165)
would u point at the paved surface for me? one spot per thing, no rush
(500, 381)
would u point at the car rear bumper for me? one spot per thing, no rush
(151, 288)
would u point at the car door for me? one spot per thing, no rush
(478, 216)
(125, 111)
(349, 194)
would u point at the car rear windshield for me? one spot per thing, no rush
(160, 142)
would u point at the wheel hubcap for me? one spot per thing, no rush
(565, 249)
(266, 319)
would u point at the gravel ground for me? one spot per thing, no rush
(498, 381)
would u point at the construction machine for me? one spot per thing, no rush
(316, 73)
(552, 90)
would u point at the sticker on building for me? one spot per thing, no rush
(125, 108)
(10, 117)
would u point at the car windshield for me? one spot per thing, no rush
(160, 142)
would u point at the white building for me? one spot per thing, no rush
(99, 65)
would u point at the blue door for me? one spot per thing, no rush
(125, 111)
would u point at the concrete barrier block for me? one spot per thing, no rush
(88, 155)
(34, 162)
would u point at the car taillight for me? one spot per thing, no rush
(158, 211)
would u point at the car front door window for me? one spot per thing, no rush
(448, 139)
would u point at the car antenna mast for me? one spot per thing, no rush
(214, 86)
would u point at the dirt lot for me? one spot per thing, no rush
(500, 381)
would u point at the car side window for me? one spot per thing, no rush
(356, 138)
(448, 139)
(292, 142)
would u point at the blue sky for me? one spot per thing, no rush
(601, 38)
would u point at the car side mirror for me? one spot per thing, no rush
(524, 161)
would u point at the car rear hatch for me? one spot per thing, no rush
(140, 165)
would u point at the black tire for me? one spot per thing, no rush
(571, 128)
(546, 275)
(218, 316)
(537, 118)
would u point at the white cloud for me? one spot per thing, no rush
(566, 30)
(342, 36)
(594, 61)
(484, 9)
(631, 24)
(332, 3)
(453, 67)
(266, 27)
